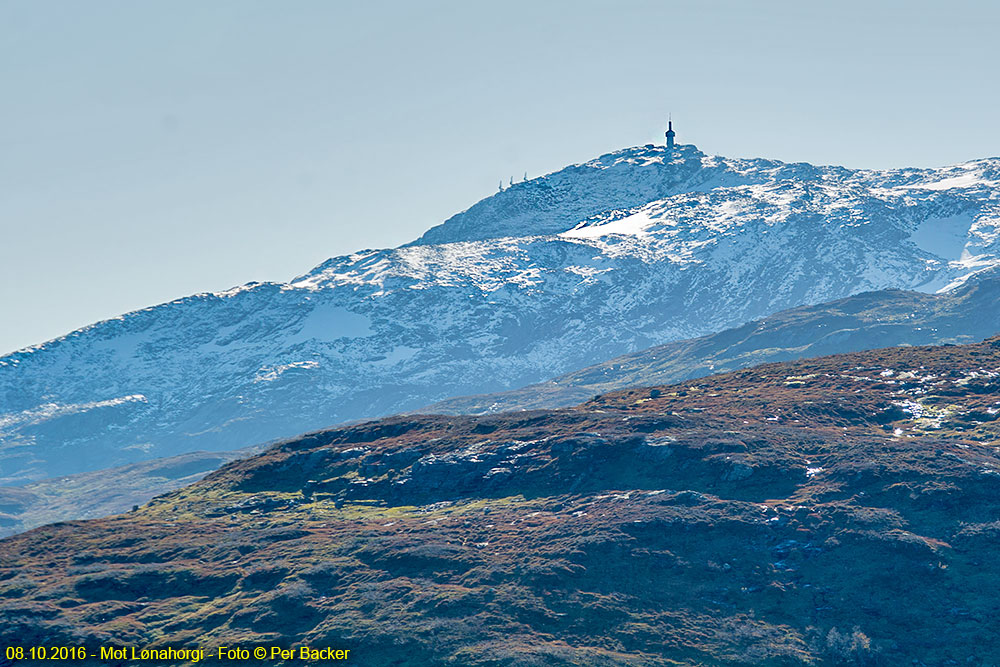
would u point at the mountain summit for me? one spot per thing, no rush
(638, 247)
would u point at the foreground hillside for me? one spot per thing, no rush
(635, 248)
(841, 510)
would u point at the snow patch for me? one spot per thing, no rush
(49, 411)
(396, 355)
(332, 322)
(632, 225)
(964, 181)
(271, 373)
(946, 238)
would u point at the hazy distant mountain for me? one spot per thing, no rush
(99, 493)
(635, 248)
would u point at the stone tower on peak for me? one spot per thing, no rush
(670, 135)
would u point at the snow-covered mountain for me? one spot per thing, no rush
(635, 248)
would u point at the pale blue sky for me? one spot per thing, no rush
(150, 150)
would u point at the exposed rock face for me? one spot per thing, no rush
(819, 512)
(633, 249)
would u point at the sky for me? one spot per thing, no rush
(153, 150)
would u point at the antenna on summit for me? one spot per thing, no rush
(670, 134)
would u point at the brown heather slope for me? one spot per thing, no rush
(841, 510)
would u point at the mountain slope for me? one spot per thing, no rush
(865, 321)
(520, 288)
(860, 322)
(828, 511)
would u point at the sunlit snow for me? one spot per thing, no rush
(632, 249)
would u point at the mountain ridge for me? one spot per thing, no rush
(382, 331)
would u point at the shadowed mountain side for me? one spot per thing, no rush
(832, 511)
(862, 322)
(104, 492)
